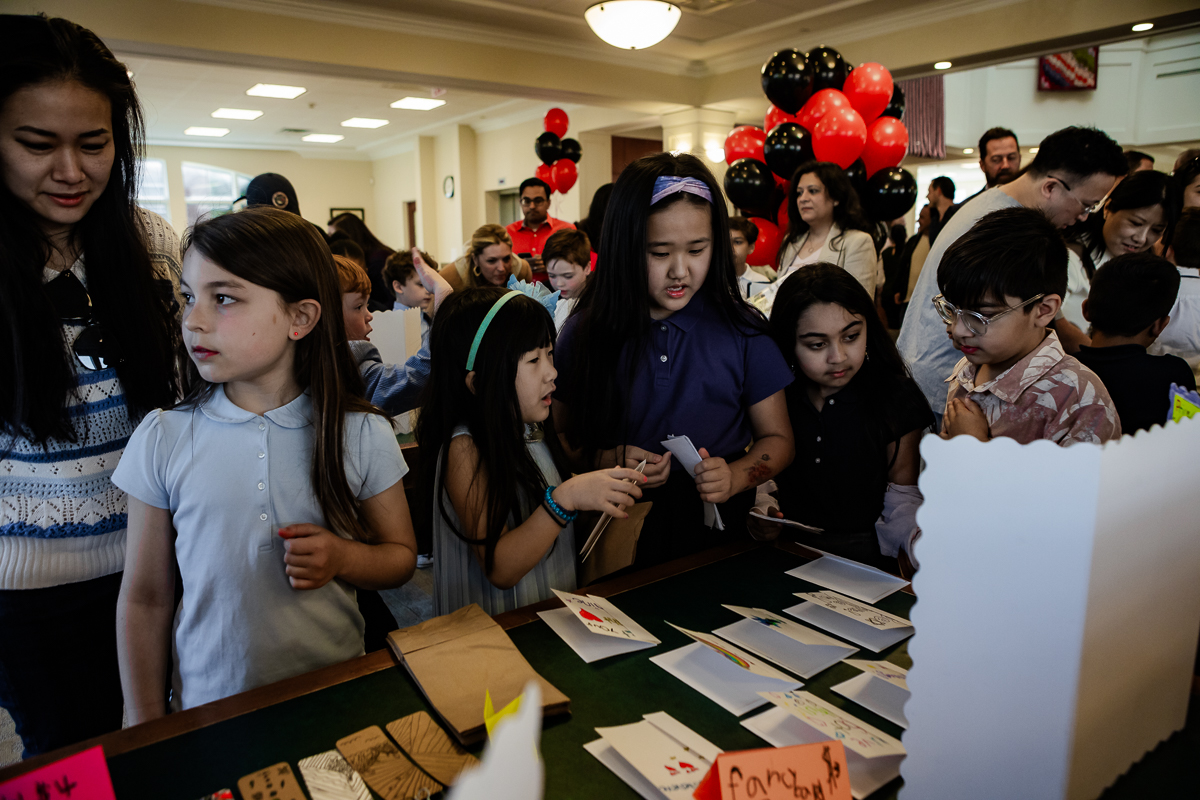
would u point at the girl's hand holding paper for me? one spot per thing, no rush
(714, 478)
(657, 469)
(605, 490)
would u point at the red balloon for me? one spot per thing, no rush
(776, 115)
(869, 90)
(564, 173)
(556, 121)
(545, 173)
(887, 142)
(782, 216)
(819, 105)
(745, 141)
(766, 246)
(840, 137)
(782, 183)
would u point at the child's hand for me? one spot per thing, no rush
(658, 467)
(606, 490)
(963, 415)
(714, 478)
(434, 283)
(314, 555)
(762, 531)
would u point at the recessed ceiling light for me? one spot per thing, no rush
(418, 104)
(968, 150)
(363, 122)
(1033, 151)
(943, 65)
(276, 90)
(324, 138)
(200, 131)
(236, 113)
(1143, 26)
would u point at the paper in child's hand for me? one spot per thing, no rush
(601, 616)
(328, 776)
(602, 523)
(429, 746)
(736, 655)
(897, 676)
(384, 768)
(276, 782)
(868, 615)
(689, 457)
(867, 741)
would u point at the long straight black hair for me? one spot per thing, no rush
(847, 214)
(512, 481)
(36, 368)
(1140, 190)
(613, 312)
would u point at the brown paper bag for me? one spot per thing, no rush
(458, 658)
(617, 546)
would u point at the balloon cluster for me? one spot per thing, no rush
(822, 109)
(559, 156)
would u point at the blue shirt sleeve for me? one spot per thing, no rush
(379, 463)
(766, 370)
(395, 388)
(142, 470)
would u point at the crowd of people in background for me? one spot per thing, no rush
(201, 485)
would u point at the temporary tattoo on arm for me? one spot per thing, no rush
(760, 472)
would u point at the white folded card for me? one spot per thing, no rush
(719, 678)
(868, 615)
(689, 457)
(601, 616)
(882, 688)
(849, 577)
(659, 757)
(856, 735)
(588, 645)
(792, 646)
(848, 628)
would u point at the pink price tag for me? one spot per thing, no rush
(83, 776)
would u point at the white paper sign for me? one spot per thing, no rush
(867, 741)
(601, 616)
(868, 615)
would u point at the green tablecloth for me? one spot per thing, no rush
(614, 691)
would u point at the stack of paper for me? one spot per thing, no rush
(724, 674)
(849, 577)
(872, 756)
(856, 622)
(689, 457)
(658, 757)
(460, 658)
(882, 688)
(594, 628)
(794, 647)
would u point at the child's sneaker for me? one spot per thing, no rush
(424, 561)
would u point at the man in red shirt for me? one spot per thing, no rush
(529, 235)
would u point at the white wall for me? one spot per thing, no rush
(395, 185)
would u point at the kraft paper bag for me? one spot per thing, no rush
(617, 548)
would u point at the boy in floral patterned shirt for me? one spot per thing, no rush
(1002, 284)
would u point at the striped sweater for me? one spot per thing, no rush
(61, 518)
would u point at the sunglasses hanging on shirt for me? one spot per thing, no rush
(73, 304)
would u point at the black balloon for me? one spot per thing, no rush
(891, 192)
(748, 184)
(572, 149)
(787, 80)
(895, 107)
(829, 69)
(857, 173)
(788, 146)
(548, 148)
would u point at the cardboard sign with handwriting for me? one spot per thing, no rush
(83, 776)
(799, 772)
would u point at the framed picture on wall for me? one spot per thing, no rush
(1072, 71)
(358, 212)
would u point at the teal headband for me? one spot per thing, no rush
(483, 326)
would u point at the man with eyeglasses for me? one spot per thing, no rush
(1072, 174)
(530, 233)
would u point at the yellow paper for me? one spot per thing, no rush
(491, 717)
(1183, 408)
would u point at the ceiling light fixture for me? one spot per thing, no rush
(418, 104)
(323, 138)
(276, 90)
(943, 65)
(715, 154)
(633, 24)
(1143, 26)
(968, 150)
(363, 122)
(236, 113)
(200, 131)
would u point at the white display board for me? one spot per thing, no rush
(1057, 615)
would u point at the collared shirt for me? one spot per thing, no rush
(1046, 395)
(231, 479)
(751, 278)
(530, 240)
(396, 388)
(1138, 382)
(695, 374)
(1182, 335)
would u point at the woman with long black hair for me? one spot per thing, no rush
(87, 343)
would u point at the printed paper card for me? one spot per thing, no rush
(897, 676)
(673, 767)
(860, 737)
(428, 745)
(276, 782)
(737, 656)
(83, 776)
(868, 615)
(384, 768)
(790, 629)
(684, 735)
(601, 616)
(328, 776)
(812, 771)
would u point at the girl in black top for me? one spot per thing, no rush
(857, 416)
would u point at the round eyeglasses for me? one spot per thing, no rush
(976, 323)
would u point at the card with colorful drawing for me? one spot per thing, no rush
(668, 755)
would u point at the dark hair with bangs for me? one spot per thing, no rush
(847, 214)
(283, 252)
(513, 484)
(1131, 292)
(614, 307)
(128, 299)
(1143, 189)
(1014, 252)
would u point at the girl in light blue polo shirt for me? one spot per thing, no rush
(274, 485)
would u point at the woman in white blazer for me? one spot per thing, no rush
(825, 224)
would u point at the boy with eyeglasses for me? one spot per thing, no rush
(1001, 286)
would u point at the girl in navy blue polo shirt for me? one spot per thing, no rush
(662, 343)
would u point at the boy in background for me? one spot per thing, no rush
(401, 277)
(1129, 306)
(1001, 284)
(356, 292)
(742, 235)
(567, 256)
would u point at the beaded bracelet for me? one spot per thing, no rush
(560, 514)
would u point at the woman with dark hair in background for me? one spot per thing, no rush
(376, 253)
(593, 225)
(87, 348)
